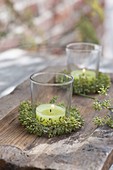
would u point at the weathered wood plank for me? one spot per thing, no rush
(90, 148)
(10, 102)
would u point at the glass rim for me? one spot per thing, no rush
(51, 84)
(97, 47)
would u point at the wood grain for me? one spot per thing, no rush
(90, 148)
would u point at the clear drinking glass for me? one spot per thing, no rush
(83, 56)
(45, 87)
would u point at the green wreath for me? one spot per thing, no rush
(84, 86)
(51, 128)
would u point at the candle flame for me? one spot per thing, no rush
(84, 70)
(52, 106)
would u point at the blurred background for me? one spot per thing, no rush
(34, 34)
(53, 22)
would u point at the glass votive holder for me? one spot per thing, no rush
(83, 65)
(83, 58)
(50, 99)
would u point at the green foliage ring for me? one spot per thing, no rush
(85, 86)
(65, 125)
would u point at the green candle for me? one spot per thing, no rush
(49, 111)
(89, 74)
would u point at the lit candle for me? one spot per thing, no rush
(89, 74)
(49, 111)
(83, 71)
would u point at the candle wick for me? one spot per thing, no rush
(50, 110)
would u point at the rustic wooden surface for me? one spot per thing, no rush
(90, 148)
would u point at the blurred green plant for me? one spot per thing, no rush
(96, 9)
(88, 20)
(3, 34)
(28, 42)
(87, 30)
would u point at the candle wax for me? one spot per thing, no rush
(87, 73)
(47, 111)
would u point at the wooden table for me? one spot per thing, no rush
(90, 148)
